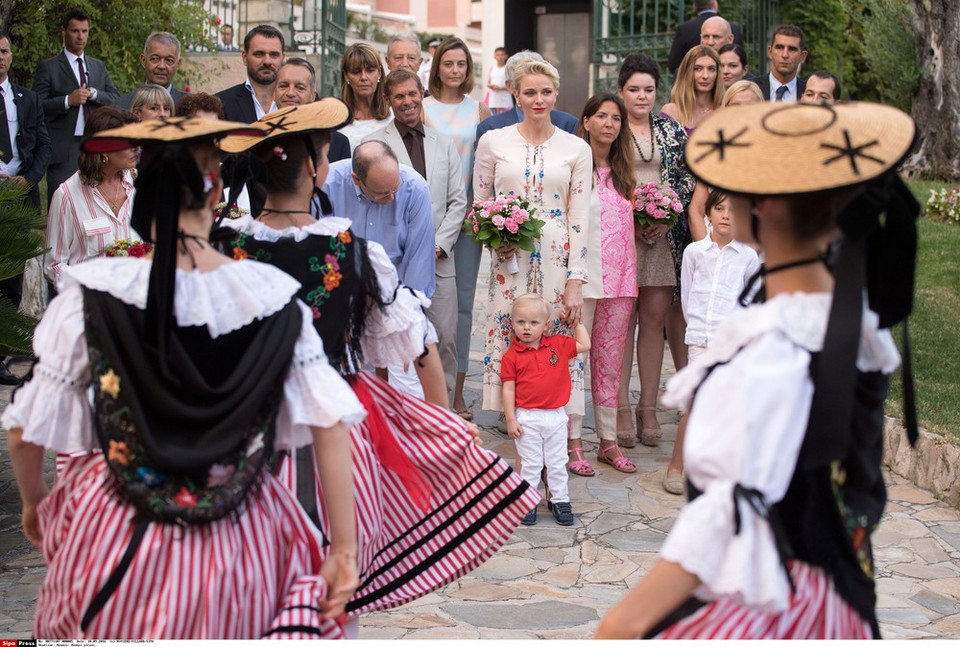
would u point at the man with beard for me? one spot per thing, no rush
(297, 85)
(262, 54)
(160, 61)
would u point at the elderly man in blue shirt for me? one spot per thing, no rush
(387, 203)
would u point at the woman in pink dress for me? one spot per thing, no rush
(613, 263)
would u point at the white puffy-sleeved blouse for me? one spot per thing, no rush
(53, 409)
(394, 335)
(746, 426)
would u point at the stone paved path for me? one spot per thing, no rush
(554, 582)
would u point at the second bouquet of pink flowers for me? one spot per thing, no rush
(656, 204)
(504, 220)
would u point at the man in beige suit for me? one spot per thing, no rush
(435, 157)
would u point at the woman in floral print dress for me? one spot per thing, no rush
(551, 169)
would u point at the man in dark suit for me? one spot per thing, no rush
(296, 86)
(688, 33)
(24, 153)
(262, 54)
(787, 52)
(559, 118)
(160, 61)
(71, 86)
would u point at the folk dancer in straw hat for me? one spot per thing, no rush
(783, 446)
(431, 505)
(200, 370)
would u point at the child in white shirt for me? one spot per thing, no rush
(713, 273)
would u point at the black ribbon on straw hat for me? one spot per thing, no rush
(742, 150)
(168, 166)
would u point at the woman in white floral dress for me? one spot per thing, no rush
(551, 169)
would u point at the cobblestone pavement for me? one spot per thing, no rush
(554, 582)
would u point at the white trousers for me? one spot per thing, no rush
(543, 443)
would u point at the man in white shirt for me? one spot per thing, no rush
(262, 54)
(787, 52)
(71, 85)
(24, 152)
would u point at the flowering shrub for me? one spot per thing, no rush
(656, 204)
(124, 247)
(507, 219)
(944, 205)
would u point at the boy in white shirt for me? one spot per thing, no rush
(713, 273)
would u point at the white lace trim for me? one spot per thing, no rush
(329, 226)
(802, 318)
(255, 290)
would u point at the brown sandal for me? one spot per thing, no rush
(649, 436)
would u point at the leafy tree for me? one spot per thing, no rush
(117, 32)
(21, 238)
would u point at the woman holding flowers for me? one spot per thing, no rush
(91, 209)
(658, 142)
(551, 170)
(614, 290)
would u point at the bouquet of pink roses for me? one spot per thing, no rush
(656, 204)
(124, 247)
(504, 220)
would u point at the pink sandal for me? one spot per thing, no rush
(579, 465)
(619, 462)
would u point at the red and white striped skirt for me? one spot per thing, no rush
(816, 612)
(244, 576)
(476, 501)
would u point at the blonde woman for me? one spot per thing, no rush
(698, 89)
(360, 74)
(152, 101)
(551, 169)
(742, 93)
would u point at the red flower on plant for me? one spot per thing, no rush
(344, 237)
(185, 498)
(316, 312)
(501, 279)
(239, 254)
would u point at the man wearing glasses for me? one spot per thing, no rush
(388, 203)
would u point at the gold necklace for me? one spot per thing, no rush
(116, 203)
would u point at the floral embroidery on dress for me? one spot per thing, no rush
(110, 384)
(859, 526)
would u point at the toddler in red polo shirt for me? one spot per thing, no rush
(535, 372)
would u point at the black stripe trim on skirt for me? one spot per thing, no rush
(441, 552)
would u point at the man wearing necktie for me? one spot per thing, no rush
(71, 85)
(434, 156)
(24, 153)
(787, 52)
